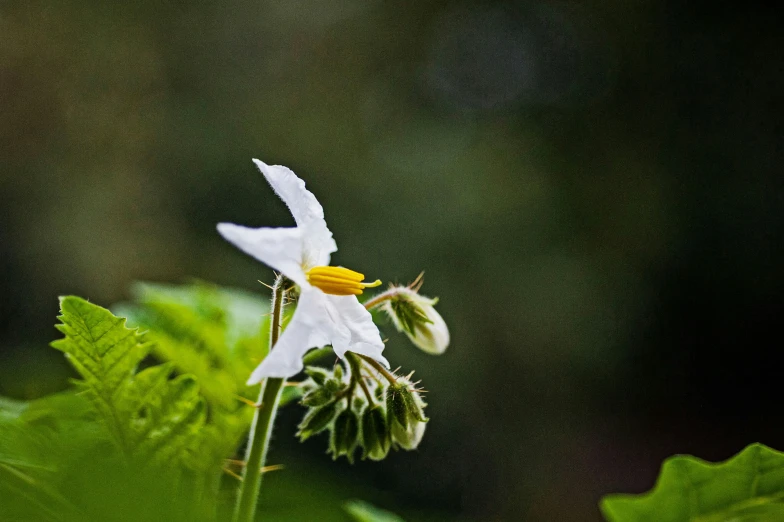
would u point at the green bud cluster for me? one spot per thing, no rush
(324, 391)
(362, 411)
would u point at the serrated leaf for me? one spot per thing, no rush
(217, 334)
(105, 354)
(747, 487)
(147, 413)
(362, 511)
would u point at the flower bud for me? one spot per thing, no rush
(345, 432)
(379, 392)
(408, 438)
(375, 434)
(318, 397)
(323, 386)
(359, 404)
(317, 420)
(404, 405)
(334, 386)
(416, 316)
(319, 375)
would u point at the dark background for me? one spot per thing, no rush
(594, 190)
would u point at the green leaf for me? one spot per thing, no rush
(317, 420)
(104, 352)
(362, 511)
(217, 334)
(11, 409)
(747, 487)
(148, 414)
(36, 445)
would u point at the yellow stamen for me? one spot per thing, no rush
(337, 280)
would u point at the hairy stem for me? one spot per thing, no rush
(380, 298)
(269, 396)
(380, 369)
(356, 375)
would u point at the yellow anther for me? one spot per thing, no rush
(336, 271)
(337, 280)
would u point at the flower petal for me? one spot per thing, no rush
(306, 330)
(305, 208)
(280, 248)
(354, 329)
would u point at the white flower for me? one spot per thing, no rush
(328, 311)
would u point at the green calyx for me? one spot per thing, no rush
(376, 437)
(317, 420)
(407, 313)
(404, 405)
(345, 434)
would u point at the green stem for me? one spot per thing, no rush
(269, 396)
(380, 369)
(380, 298)
(356, 374)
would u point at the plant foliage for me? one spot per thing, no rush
(158, 407)
(134, 429)
(148, 414)
(748, 487)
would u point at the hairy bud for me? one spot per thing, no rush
(404, 404)
(408, 438)
(405, 414)
(319, 375)
(416, 316)
(316, 420)
(375, 434)
(345, 432)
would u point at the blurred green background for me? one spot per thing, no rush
(593, 189)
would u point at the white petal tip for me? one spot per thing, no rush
(225, 228)
(256, 377)
(381, 359)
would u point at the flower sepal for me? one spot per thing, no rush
(317, 420)
(405, 414)
(404, 404)
(345, 435)
(376, 437)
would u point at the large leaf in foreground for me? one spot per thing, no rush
(214, 333)
(748, 487)
(36, 447)
(217, 334)
(148, 414)
(103, 351)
